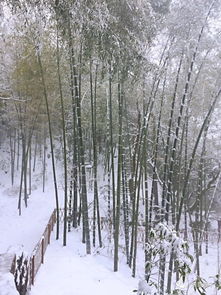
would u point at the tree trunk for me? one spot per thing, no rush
(119, 173)
(51, 140)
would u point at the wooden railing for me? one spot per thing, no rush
(26, 268)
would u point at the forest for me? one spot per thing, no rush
(123, 99)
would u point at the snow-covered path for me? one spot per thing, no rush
(23, 232)
(68, 271)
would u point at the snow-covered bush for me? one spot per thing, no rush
(143, 288)
(21, 274)
(162, 240)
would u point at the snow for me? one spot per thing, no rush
(23, 232)
(69, 271)
(7, 285)
(143, 288)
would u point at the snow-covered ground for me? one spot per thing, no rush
(23, 232)
(67, 270)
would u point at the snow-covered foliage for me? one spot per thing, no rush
(21, 274)
(163, 240)
(143, 288)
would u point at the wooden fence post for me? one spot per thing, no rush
(54, 218)
(13, 266)
(33, 269)
(33, 264)
(30, 273)
(42, 250)
(49, 233)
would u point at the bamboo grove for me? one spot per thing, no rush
(127, 89)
